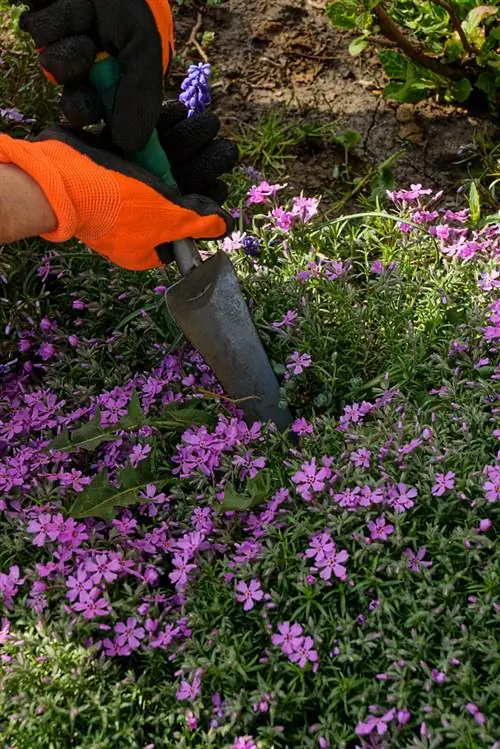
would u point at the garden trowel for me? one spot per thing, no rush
(207, 303)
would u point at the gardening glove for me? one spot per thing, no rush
(116, 207)
(139, 33)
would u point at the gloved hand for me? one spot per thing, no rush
(116, 207)
(139, 33)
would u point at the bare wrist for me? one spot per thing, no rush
(24, 209)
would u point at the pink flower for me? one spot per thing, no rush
(289, 637)
(361, 458)
(129, 634)
(302, 427)
(310, 479)
(244, 742)
(234, 242)
(182, 569)
(304, 208)
(103, 567)
(91, 605)
(248, 594)
(443, 482)
(374, 724)
(260, 193)
(416, 561)
(379, 529)
(249, 465)
(284, 219)
(189, 691)
(298, 362)
(438, 676)
(401, 497)
(287, 321)
(321, 546)
(304, 652)
(78, 585)
(333, 565)
(478, 716)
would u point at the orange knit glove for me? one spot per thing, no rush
(139, 33)
(114, 206)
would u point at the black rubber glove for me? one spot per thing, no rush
(139, 33)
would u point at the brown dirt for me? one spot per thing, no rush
(272, 53)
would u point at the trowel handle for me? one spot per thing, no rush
(105, 77)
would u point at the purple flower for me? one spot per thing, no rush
(78, 585)
(252, 246)
(302, 427)
(332, 564)
(182, 569)
(260, 193)
(283, 219)
(416, 561)
(46, 351)
(249, 465)
(443, 482)
(298, 362)
(196, 88)
(473, 710)
(374, 724)
(438, 676)
(491, 486)
(249, 594)
(407, 196)
(401, 497)
(310, 479)
(361, 458)
(287, 321)
(320, 547)
(139, 453)
(129, 633)
(379, 529)
(303, 652)
(289, 637)
(191, 691)
(304, 208)
(244, 742)
(91, 604)
(102, 567)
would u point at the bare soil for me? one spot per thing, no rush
(285, 53)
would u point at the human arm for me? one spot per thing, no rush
(114, 206)
(24, 209)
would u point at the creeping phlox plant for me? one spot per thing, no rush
(239, 589)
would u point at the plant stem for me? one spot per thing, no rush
(457, 24)
(392, 31)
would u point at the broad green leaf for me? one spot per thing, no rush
(486, 83)
(461, 90)
(257, 491)
(343, 13)
(357, 46)
(90, 435)
(406, 92)
(181, 417)
(453, 49)
(135, 416)
(100, 498)
(474, 203)
(61, 442)
(394, 63)
(476, 16)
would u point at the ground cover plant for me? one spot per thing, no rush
(442, 47)
(172, 577)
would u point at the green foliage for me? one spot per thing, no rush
(447, 48)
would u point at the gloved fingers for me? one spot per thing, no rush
(172, 112)
(183, 140)
(216, 159)
(81, 105)
(138, 98)
(58, 20)
(38, 4)
(218, 192)
(69, 58)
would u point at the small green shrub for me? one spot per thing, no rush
(448, 47)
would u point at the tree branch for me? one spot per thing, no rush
(392, 31)
(457, 24)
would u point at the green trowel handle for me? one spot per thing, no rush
(105, 77)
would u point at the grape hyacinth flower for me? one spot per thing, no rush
(196, 89)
